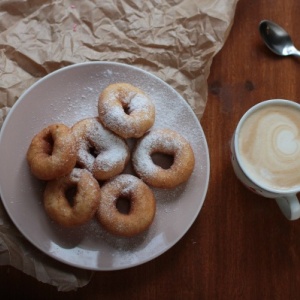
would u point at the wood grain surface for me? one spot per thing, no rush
(240, 246)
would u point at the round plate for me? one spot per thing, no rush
(69, 95)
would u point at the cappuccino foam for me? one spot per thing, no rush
(269, 146)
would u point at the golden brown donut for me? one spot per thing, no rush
(84, 202)
(52, 152)
(142, 206)
(168, 142)
(100, 151)
(126, 110)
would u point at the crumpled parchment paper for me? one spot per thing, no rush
(173, 39)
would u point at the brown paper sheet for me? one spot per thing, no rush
(173, 39)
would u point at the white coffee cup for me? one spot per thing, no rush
(265, 151)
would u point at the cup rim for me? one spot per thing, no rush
(250, 111)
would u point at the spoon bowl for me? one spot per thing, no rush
(277, 39)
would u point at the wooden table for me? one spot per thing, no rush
(240, 246)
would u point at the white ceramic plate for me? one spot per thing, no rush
(69, 95)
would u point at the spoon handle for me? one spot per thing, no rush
(292, 50)
(296, 53)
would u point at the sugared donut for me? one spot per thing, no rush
(126, 110)
(141, 201)
(84, 199)
(167, 142)
(100, 151)
(52, 152)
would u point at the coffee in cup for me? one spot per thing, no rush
(266, 152)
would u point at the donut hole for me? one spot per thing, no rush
(163, 160)
(127, 110)
(48, 138)
(78, 165)
(70, 194)
(93, 151)
(123, 205)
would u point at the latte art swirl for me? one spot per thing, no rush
(269, 146)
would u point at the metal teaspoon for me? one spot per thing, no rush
(277, 39)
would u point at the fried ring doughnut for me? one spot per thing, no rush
(168, 142)
(142, 206)
(100, 151)
(52, 152)
(84, 203)
(126, 110)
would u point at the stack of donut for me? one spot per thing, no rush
(76, 161)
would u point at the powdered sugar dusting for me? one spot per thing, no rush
(75, 175)
(126, 110)
(142, 205)
(139, 102)
(169, 141)
(107, 159)
(109, 149)
(74, 96)
(116, 115)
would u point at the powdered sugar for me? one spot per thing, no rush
(108, 149)
(126, 110)
(128, 183)
(160, 140)
(142, 206)
(107, 159)
(99, 249)
(139, 102)
(75, 175)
